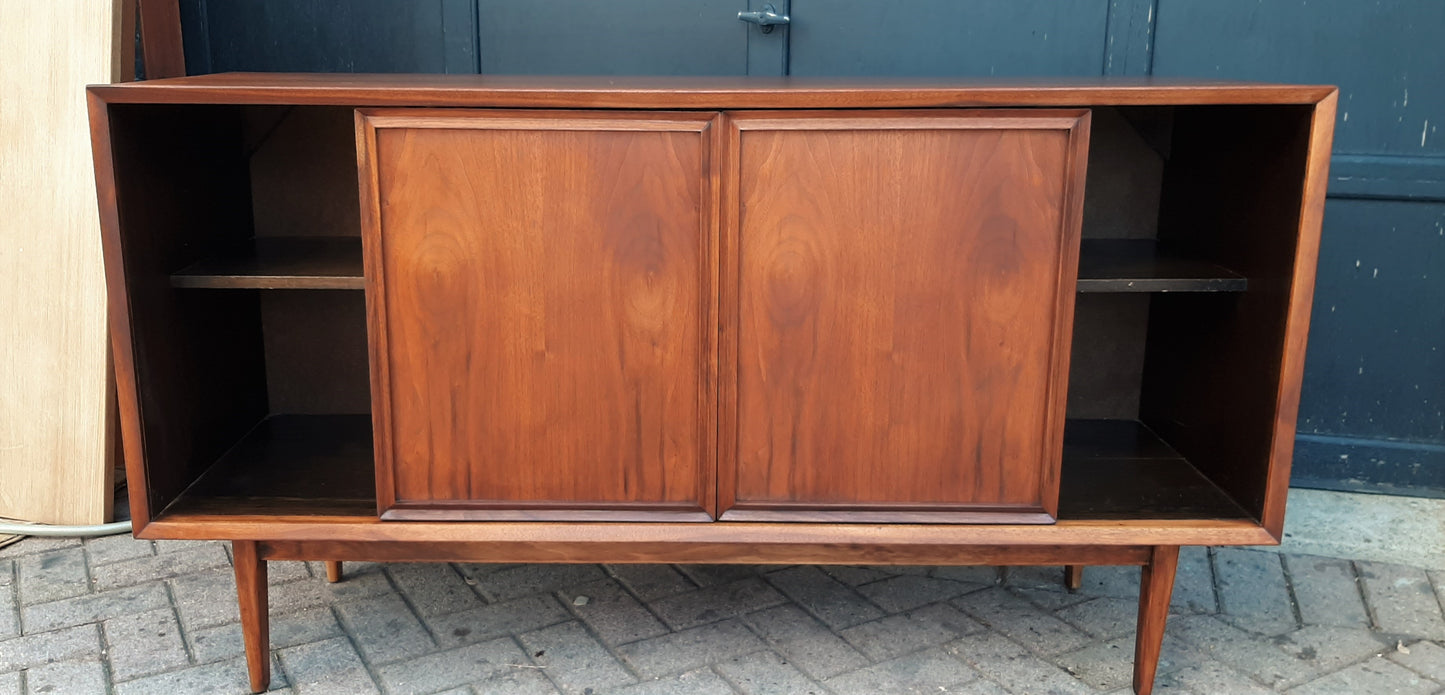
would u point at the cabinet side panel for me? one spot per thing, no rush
(544, 301)
(899, 313)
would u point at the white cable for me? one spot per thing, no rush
(21, 529)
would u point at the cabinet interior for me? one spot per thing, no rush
(244, 268)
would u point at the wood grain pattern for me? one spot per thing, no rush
(904, 290)
(516, 91)
(1156, 585)
(541, 313)
(57, 401)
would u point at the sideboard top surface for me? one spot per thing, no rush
(691, 92)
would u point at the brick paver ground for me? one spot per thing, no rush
(126, 616)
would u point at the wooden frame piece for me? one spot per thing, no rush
(717, 93)
(161, 42)
(702, 553)
(1301, 300)
(569, 538)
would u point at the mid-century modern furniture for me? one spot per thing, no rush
(690, 320)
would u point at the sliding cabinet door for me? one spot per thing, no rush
(900, 294)
(541, 313)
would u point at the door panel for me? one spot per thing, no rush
(575, 37)
(540, 313)
(1007, 38)
(327, 36)
(639, 37)
(904, 296)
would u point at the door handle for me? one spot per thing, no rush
(766, 19)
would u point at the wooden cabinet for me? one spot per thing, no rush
(563, 320)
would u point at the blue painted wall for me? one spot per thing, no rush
(1373, 410)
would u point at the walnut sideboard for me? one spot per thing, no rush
(499, 319)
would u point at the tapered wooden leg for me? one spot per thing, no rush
(255, 618)
(333, 571)
(1156, 585)
(1073, 577)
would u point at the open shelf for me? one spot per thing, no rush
(302, 465)
(334, 263)
(1140, 265)
(322, 465)
(279, 263)
(1120, 469)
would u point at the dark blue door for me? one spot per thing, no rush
(1373, 410)
(577, 37)
(1372, 415)
(1005, 38)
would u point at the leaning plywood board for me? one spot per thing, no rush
(56, 398)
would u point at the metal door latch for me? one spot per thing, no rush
(766, 19)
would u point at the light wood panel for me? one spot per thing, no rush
(56, 395)
(904, 292)
(541, 313)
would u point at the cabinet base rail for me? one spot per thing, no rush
(1156, 583)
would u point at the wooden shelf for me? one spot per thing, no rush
(280, 263)
(334, 263)
(1119, 469)
(322, 465)
(290, 465)
(1139, 265)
